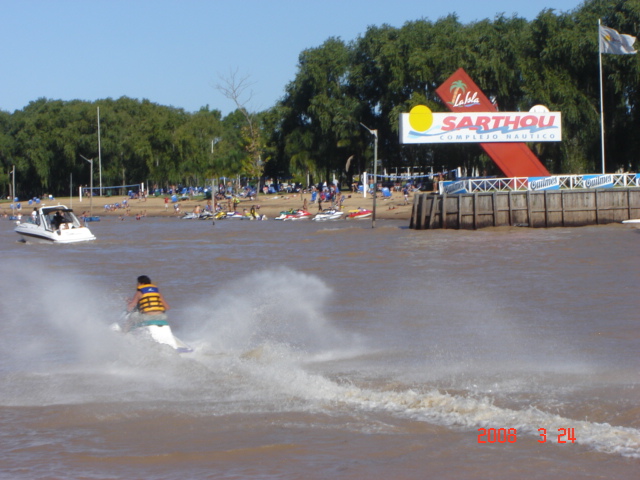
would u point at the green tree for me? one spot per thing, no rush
(321, 118)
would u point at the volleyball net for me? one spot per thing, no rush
(112, 190)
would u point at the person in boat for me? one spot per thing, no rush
(58, 219)
(147, 305)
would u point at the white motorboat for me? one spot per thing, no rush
(157, 330)
(328, 214)
(57, 224)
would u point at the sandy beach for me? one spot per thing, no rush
(270, 205)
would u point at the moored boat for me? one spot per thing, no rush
(294, 215)
(206, 215)
(57, 224)
(360, 213)
(235, 215)
(328, 214)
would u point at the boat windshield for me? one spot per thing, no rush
(64, 218)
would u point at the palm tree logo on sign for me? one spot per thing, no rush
(460, 97)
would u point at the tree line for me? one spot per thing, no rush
(316, 130)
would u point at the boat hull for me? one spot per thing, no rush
(360, 214)
(34, 234)
(328, 215)
(294, 215)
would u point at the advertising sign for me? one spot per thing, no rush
(423, 126)
(461, 95)
(598, 181)
(544, 183)
(454, 187)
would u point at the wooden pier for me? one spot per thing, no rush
(541, 209)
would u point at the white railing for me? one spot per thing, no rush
(554, 182)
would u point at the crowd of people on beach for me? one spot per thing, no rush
(228, 199)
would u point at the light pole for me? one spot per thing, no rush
(375, 172)
(13, 190)
(13, 183)
(214, 180)
(99, 156)
(90, 186)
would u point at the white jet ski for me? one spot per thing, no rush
(158, 330)
(328, 214)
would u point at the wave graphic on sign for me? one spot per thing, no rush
(478, 130)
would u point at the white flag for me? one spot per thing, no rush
(613, 42)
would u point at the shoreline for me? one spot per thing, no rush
(271, 205)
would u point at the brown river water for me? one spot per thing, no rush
(324, 350)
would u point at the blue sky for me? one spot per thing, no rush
(173, 52)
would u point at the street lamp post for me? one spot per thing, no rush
(13, 189)
(214, 179)
(375, 172)
(99, 156)
(13, 183)
(90, 160)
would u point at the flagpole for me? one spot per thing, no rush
(99, 153)
(601, 99)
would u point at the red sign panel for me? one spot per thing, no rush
(461, 94)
